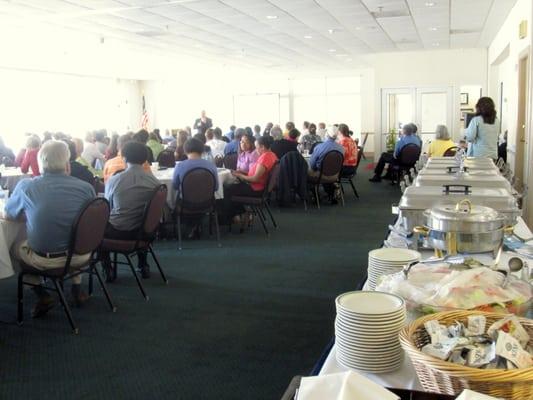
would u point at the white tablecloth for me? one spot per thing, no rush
(11, 232)
(12, 176)
(165, 177)
(404, 378)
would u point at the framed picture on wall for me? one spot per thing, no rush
(464, 98)
(465, 111)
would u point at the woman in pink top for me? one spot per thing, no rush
(30, 156)
(248, 155)
(253, 183)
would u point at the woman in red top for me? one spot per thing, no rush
(253, 183)
(30, 156)
(350, 150)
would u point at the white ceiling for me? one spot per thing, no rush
(273, 33)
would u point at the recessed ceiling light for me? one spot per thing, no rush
(433, 29)
(331, 31)
(272, 17)
(435, 44)
(308, 37)
(430, 3)
(332, 50)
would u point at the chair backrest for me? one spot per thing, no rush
(359, 157)
(230, 160)
(197, 190)
(219, 161)
(166, 159)
(273, 178)
(154, 211)
(451, 152)
(88, 229)
(409, 154)
(332, 163)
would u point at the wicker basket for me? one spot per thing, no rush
(448, 378)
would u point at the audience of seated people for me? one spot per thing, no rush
(179, 154)
(50, 204)
(112, 149)
(78, 170)
(128, 193)
(7, 157)
(118, 164)
(408, 136)
(154, 145)
(90, 152)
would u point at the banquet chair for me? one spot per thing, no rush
(219, 161)
(257, 204)
(166, 159)
(195, 199)
(406, 160)
(146, 235)
(365, 138)
(230, 161)
(86, 236)
(348, 178)
(330, 169)
(451, 151)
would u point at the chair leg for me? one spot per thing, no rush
(271, 215)
(158, 265)
(104, 288)
(115, 265)
(59, 288)
(20, 295)
(139, 283)
(316, 197)
(354, 189)
(217, 228)
(342, 197)
(91, 280)
(261, 218)
(179, 232)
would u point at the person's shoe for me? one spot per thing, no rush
(145, 271)
(375, 178)
(79, 297)
(43, 305)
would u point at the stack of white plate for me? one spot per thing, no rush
(387, 261)
(366, 331)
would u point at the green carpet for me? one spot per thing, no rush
(235, 322)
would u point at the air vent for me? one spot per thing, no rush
(390, 14)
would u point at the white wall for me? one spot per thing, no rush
(422, 69)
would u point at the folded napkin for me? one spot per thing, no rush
(342, 386)
(470, 395)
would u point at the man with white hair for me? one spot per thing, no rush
(50, 204)
(319, 153)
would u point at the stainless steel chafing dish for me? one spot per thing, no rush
(417, 199)
(470, 163)
(464, 228)
(464, 178)
(453, 170)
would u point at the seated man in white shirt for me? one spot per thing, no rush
(215, 142)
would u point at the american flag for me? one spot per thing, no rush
(144, 117)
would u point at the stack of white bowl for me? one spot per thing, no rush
(387, 261)
(366, 331)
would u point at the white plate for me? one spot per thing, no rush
(373, 325)
(372, 319)
(366, 351)
(377, 368)
(370, 303)
(361, 340)
(373, 358)
(352, 330)
(394, 255)
(389, 343)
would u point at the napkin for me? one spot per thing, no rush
(342, 386)
(471, 395)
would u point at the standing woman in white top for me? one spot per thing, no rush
(483, 130)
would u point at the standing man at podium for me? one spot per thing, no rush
(203, 123)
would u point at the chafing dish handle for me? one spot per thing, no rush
(453, 169)
(465, 189)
